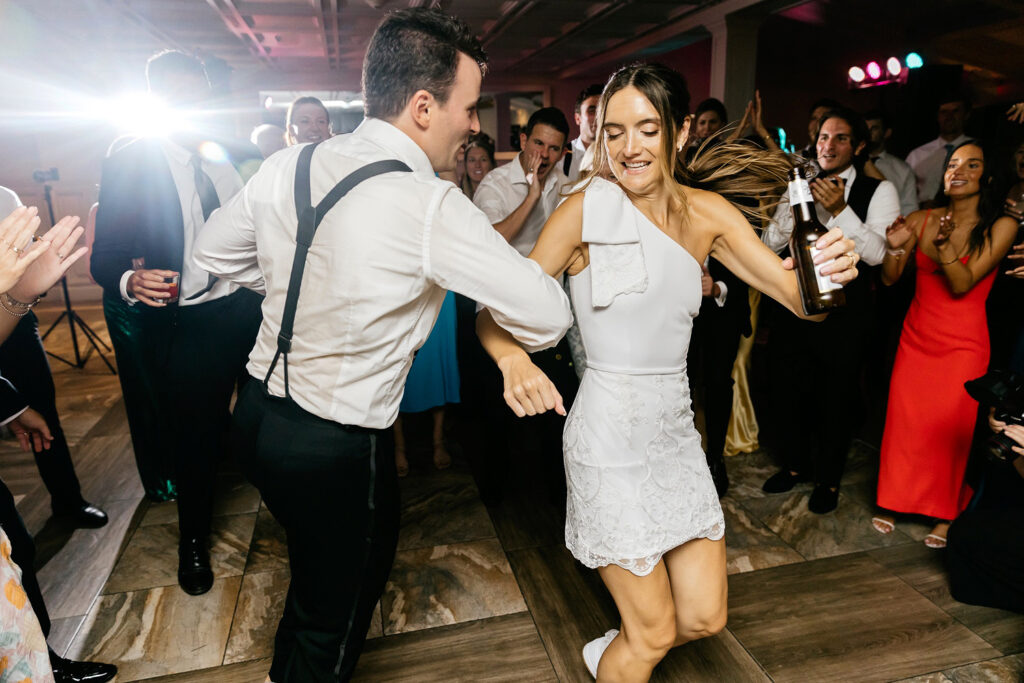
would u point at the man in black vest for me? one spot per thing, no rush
(815, 435)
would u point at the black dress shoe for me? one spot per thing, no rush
(783, 481)
(69, 671)
(194, 574)
(85, 515)
(719, 475)
(823, 499)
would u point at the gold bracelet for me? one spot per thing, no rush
(16, 314)
(20, 304)
(949, 263)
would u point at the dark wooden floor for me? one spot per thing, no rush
(489, 593)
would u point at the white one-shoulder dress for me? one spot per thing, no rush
(638, 481)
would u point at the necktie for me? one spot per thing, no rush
(949, 151)
(208, 199)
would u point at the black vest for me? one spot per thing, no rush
(862, 190)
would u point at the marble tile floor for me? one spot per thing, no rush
(489, 593)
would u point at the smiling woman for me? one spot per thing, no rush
(930, 417)
(642, 507)
(307, 121)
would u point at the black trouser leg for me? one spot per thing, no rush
(840, 346)
(793, 409)
(335, 492)
(209, 345)
(23, 362)
(153, 454)
(719, 358)
(23, 552)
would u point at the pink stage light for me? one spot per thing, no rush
(893, 66)
(874, 70)
(856, 74)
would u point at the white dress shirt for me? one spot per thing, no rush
(928, 163)
(578, 150)
(9, 201)
(227, 182)
(899, 173)
(868, 236)
(376, 273)
(505, 188)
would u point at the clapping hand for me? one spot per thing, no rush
(1010, 209)
(1016, 258)
(1016, 113)
(898, 234)
(56, 255)
(17, 250)
(946, 227)
(830, 195)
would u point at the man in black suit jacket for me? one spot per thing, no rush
(182, 354)
(724, 318)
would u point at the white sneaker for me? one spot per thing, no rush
(593, 650)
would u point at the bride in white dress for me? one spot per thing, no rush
(642, 507)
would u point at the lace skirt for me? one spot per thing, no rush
(638, 480)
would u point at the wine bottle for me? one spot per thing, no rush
(818, 293)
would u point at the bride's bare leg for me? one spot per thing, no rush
(648, 624)
(700, 589)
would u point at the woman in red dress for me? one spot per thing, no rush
(930, 418)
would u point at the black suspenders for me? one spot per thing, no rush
(309, 220)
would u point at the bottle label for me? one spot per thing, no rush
(800, 192)
(825, 283)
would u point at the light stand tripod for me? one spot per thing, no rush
(72, 317)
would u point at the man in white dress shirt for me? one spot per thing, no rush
(312, 433)
(519, 197)
(929, 160)
(587, 103)
(815, 445)
(895, 170)
(180, 348)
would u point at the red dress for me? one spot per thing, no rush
(930, 418)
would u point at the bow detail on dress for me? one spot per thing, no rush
(611, 230)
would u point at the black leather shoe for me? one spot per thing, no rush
(783, 481)
(719, 475)
(194, 574)
(68, 671)
(85, 516)
(823, 499)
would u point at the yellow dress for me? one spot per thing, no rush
(742, 434)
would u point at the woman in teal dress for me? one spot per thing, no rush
(433, 382)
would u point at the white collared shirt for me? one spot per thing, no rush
(899, 173)
(578, 150)
(928, 163)
(505, 188)
(227, 183)
(376, 274)
(868, 236)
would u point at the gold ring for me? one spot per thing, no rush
(17, 251)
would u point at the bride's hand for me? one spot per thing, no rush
(528, 391)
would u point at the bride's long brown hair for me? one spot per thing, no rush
(751, 178)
